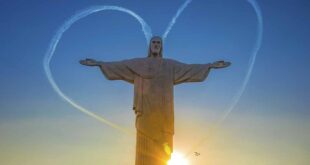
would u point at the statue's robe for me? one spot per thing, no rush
(153, 80)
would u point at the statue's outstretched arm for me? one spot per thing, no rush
(220, 64)
(117, 70)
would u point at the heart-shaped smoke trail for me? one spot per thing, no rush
(148, 34)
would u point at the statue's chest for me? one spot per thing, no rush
(162, 78)
(160, 71)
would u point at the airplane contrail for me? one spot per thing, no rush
(54, 42)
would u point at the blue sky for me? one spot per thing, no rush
(279, 87)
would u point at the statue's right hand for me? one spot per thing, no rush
(89, 62)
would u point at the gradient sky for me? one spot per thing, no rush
(270, 124)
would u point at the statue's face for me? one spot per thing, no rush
(156, 46)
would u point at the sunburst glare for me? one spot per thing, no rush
(177, 159)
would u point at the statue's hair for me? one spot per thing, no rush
(161, 49)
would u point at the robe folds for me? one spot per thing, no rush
(153, 80)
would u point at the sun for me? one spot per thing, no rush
(177, 159)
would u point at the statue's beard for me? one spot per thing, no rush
(155, 54)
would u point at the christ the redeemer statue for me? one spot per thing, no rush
(153, 78)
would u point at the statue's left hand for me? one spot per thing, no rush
(220, 64)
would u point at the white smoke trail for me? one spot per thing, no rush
(50, 52)
(173, 21)
(252, 59)
(254, 52)
(148, 34)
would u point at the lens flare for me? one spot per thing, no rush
(177, 159)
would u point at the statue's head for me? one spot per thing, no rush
(155, 47)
